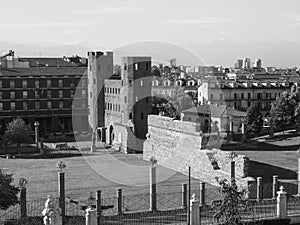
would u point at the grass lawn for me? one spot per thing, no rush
(104, 170)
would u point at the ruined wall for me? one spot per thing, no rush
(177, 145)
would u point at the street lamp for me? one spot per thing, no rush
(36, 125)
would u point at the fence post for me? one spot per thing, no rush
(275, 186)
(61, 190)
(184, 196)
(119, 201)
(259, 189)
(202, 193)
(91, 216)
(153, 187)
(98, 205)
(23, 202)
(195, 211)
(281, 204)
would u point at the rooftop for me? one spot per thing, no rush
(43, 71)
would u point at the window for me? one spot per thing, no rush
(91, 94)
(130, 83)
(136, 66)
(221, 96)
(60, 94)
(49, 104)
(13, 106)
(136, 98)
(249, 95)
(60, 83)
(211, 96)
(37, 84)
(130, 115)
(83, 104)
(125, 99)
(48, 94)
(142, 116)
(125, 66)
(12, 95)
(235, 105)
(37, 105)
(25, 95)
(0, 83)
(61, 104)
(0, 94)
(234, 96)
(94, 81)
(242, 95)
(258, 95)
(72, 93)
(12, 84)
(48, 83)
(249, 104)
(147, 66)
(1, 106)
(142, 83)
(25, 105)
(36, 94)
(147, 99)
(83, 93)
(24, 83)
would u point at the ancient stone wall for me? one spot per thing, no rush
(177, 145)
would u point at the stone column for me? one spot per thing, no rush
(195, 211)
(275, 186)
(298, 177)
(259, 189)
(61, 192)
(93, 146)
(202, 193)
(244, 138)
(119, 201)
(91, 216)
(23, 202)
(271, 132)
(153, 185)
(98, 205)
(184, 196)
(281, 204)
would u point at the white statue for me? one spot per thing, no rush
(51, 215)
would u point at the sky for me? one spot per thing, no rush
(208, 27)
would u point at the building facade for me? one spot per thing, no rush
(242, 94)
(54, 96)
(125, 101)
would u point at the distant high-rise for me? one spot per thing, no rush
(246, 63)
(257, 63)
(238, 64)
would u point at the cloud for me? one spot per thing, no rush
(108, 10)
(204, 22)
(41, 25)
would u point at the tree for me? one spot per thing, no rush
(283, 110)
(228, 211)
(8, 192)
(18, 132)
(254, 120)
